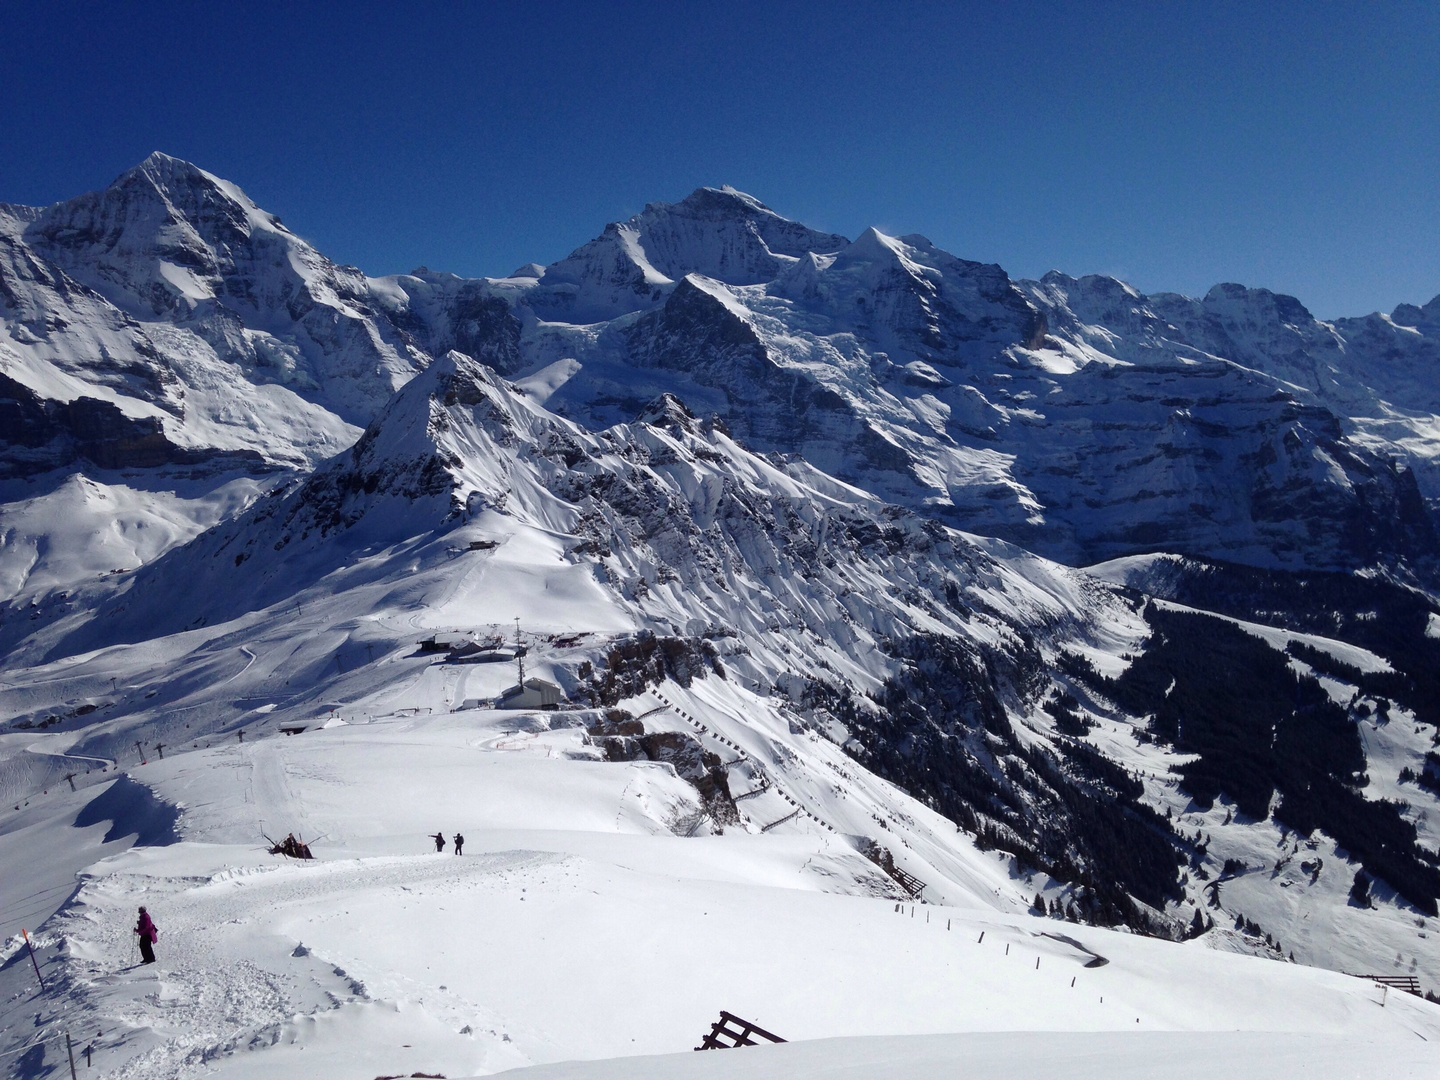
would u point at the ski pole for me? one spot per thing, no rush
(32, 958)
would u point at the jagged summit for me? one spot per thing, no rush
(171, 297)
(1410, 315)
(720, 233)
(668, 411)
(163, 204)
(172, 173)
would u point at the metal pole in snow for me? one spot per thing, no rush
(141, 751)
(32, 958)
(70, 1049)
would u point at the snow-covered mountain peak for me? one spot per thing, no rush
(668, 411)
(165, 209)
(172, 299)
(1427, 316)
(1256, 305)
(720, 233)
(677, 230)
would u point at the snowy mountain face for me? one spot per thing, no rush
(717, 465)
(1077, 417)
(169, 321)
(166, 336)
(171, 306)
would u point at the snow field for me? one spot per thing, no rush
(1024, 1055)
(577, 926)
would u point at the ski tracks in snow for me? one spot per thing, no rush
(214, 991)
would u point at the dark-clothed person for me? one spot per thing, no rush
(145, 927)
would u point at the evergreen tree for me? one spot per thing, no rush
(1360, 889)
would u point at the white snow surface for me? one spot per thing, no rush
(77, 527)
(577, 927)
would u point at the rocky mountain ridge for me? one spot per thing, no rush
(168, 320)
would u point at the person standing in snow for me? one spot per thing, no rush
(439, 839)
(459, 843)
(148, 936)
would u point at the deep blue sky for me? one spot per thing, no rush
(1295, 146)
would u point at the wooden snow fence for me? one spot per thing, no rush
(788, 817)
(909, 882)
(1409, 983)
(738, 1032)
(742, 756)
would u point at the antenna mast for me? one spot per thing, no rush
(519, 653)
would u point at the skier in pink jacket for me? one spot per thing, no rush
(148, 936)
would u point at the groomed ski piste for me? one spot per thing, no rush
(579, 935)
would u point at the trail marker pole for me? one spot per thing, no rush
(71, 777)
(160, 749)
(141, 751)
(32, 958)
(88, 1048)
(70, 1049)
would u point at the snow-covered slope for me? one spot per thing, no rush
(166, 335)
(77, 527)
(578, 926)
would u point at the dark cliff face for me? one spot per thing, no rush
(470, 320)
(37, 436)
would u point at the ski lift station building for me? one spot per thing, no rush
(532, 694)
